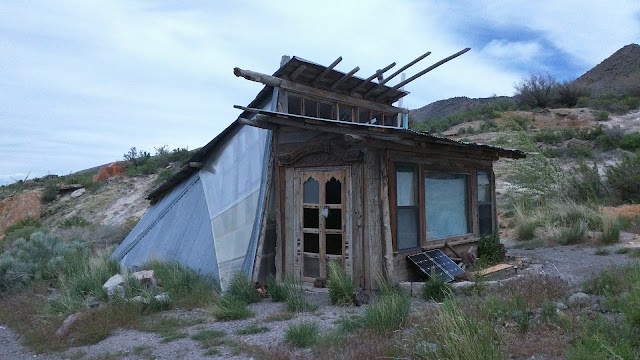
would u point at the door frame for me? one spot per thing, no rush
(298, 217)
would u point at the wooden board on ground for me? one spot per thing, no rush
(496, 268)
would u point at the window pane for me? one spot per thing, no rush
(346, 113)
(364, 116)
(325, 111)
(446, 205)
(295, 105)
(405, 186)
(334, 244)
(334, 219)
(311, 267)
(407, 227)
(377, 118)
(485, 213)
(311, 191)
(333, 192)
(311, 218)
(312, 243)
(310, 108)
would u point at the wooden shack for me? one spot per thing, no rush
(345, 180)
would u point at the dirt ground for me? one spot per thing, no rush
(573, 263)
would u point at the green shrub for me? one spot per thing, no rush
(303, 335)
(604, 339)
(489, 249)
(231, 308)
(21, 229)
(602, 115)
(526, 230)
(610, 231)
(387, 314)
(340, 285)
(186, 288)
(40, 258)
(624, 179)
(241, 288)
(209, 338)
(278, 291)
(585, 185)
(572, 234)
(460, 337)
(436, 289)
(602, 252)
(631, 142)
(50, 193)
(252, 329)
(74, 221)
(296, 301)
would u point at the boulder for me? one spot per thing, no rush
(113, 169)
(579, 299)
(63, 330)
(78, 193)
(561, 306)
(360, 297)
(320, 282)
(163, 298)
(113, 286)
(146, 277)
(139, 299)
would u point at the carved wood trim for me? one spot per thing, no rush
(320, 155)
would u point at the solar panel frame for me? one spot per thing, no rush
(435, 262)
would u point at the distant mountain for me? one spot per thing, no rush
(443, 108)
(619, 74)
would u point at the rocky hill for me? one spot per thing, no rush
(444, 108)
(619, 74)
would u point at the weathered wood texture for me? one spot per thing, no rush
(373, 237)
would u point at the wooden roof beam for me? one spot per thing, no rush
(297, 72)
(375, 75)
(326, 71)
(403, 83)
(344, 77)
(384, 81)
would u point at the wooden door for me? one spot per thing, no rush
(322, 227)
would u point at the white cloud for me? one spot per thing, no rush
(522, 52)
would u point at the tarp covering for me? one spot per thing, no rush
(211, 221)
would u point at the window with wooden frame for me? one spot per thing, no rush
(433, 205)
(300, 105)
(485, 203)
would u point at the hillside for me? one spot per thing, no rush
(619, 74)
(444, 108)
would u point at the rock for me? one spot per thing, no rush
(109, 171)
(69, 187)
(63, 330)
(417, 288)
(425, 347)
(462, 287)
(579, 299)
(146, 277)
(360, 297)
(113, 286)
(596, 308)
(92, 302)
(561, 306)
(320, 282)
(139, 299)
(78, 193)
(405, 286)
(164, 297)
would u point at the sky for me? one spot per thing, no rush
(81, 82)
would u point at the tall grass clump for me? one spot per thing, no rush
(340, 285)
(387, 314)
(489, 249)
(460, 337)
(572, 234)
(303, 335)
(436, 289)
(277, 290)
(241, 288)
(185, 286)
(230, 308)
(610, 230)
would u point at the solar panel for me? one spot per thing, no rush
(436, 263)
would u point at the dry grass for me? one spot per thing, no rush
(541, 341)
(360, 346)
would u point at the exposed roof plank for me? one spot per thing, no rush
(344, 77)
(384, 81)
(402, 83)
(297, 72)
(375, 75)
(326, 71)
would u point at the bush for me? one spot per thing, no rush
(489, 249)
(572, 234)
(74, 221)
(21, 229)
(340, 285)
(610, 231)
(602, 115)
(585, 185)
(568, 93)
(536, 91)
(241, 288)
(186, 288)
(40, 258)
(460, 337)
(388, 314)
(303, 335)
(50, 193)
(631, 142)
(436, 289)
(230, 308)
(624, 179)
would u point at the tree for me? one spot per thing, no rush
(536, 91)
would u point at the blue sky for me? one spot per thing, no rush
(83, 81)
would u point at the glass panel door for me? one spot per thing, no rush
(322, 220)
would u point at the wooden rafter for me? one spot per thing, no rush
(344, 77)
(326, 71)
(397, 72)
(297, 72)
(375, 75)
